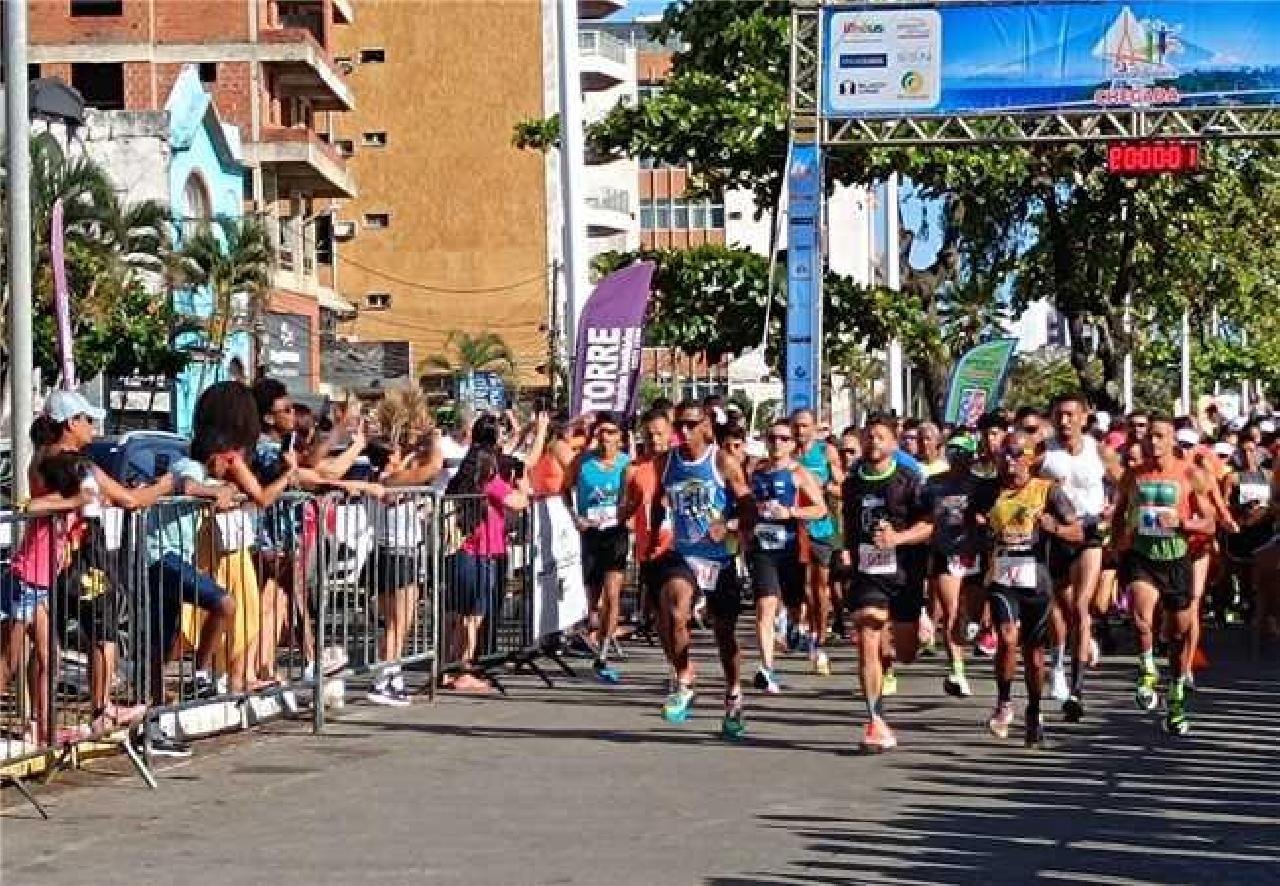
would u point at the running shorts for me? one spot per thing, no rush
(1028, 607)
(775, 573)
(823, 550)
(1172, 578)
(724, 600)
(905, 602)
(604, 551)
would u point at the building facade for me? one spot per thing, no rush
(268, 68)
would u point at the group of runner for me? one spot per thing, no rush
(1024, 530)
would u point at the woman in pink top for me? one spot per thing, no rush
(483, 499)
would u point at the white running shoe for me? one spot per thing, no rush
(1001, 720)
(1058, 688)
(957, 686)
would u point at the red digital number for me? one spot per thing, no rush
(1148, 158)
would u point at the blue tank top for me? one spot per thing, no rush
(699, 498)
(814, 460)
(600, 489)
(780, 487)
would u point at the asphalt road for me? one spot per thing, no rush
(585, 784)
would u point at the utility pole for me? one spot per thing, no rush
(18, 128)
(577, 284)
(893, 280)
(1187, 407)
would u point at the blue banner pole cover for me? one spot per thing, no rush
(977, 382)
(804, 277)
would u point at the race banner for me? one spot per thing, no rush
(62, 297)
(610, 341)
(977, 382)
(560, 598)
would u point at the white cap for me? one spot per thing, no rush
(1236, 424)
(1223, 450)
(1187, 437)
(1103, 419)
(62, 406)
(1267, 426)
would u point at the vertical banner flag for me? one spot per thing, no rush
(977, 381)
(804, 278)
(62, 297)
(610, 342)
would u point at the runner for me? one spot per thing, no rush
(954, 563)
(1157, 506)
(884, 510)
(1249, 491)
(652, 541)
(1073, 461)
(991, 432)
(780, 547)
(821, 460)
(1028, 513)
(596, 483)
(932, 459)
(703, 488)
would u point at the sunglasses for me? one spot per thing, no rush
(688, 424)
(608, 429)
(780, 438)
(1030, 429)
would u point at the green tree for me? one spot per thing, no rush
(465, 353)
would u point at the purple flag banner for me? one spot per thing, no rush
(62, 297)
(610, 341)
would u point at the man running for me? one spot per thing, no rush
(1156, 507)
(1073, 461)
(642, 492)
(820, 459)
(884, 511)
(786, 495)
(954, 562)
(595, 482)
(1028, 512)
(703, 490)
(991, 431)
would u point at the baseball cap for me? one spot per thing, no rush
(1187, 437)
(1223, 450)
(62, 406)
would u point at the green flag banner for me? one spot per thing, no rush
(977, 381)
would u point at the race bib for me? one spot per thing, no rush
(705, 572)
(771, 537)
(603, 516)
(1016, 571)
(877, 561)
(1255, 494)
(962, 564)
(1149, 521)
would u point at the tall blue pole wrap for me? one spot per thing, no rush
(804, 278)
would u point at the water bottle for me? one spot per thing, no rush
(92, 509)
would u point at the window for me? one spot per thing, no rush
(324, 238)
(647, 91)
(647, 163)
(33, 72)
(646, 215)
(208, 72)
(198, 206)
(373, 56)
(96, 8)
(698, 216)
(377, 220)
(680, 214)
(662, 216)
(377, 301)
(346, 147)
(717, 215)
(102, 86)
(374, 139)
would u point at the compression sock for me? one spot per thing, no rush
(1004, 690)
(875, 707)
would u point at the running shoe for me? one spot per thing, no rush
(1034, 735)
(733, 726)
(1073, 709)
(1145, 695)
(1059, 690)
(1001, 720)
(767, 682)
(386, 694)
(821, 664)
(1176, 721)
(606, 674)
(676, 707)
(987, 644)
(957, 686)
(889, 685)
(878, 737)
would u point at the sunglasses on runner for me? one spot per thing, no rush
(688, 424)
(780, 438)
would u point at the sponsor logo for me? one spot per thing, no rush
(912, 83)
(864, 60)
(859, 26)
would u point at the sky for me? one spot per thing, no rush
(637, 9)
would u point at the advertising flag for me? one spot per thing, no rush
(610, 341)
(978, 381)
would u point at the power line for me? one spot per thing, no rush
(539, 277)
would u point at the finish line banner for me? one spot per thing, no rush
(1044, 57)
(977, 382)
(610, 342)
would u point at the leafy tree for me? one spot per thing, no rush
(1035, 379)
(465, 353)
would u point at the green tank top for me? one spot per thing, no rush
(814, 459)
(1154, 495)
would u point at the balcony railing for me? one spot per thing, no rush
(603, 44)
(615, 199)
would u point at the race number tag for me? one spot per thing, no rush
(1016, 571)
(705, 572)
(877, 561)
(1255, 494)
(771, 537)
(1149, 521)
(962, 565)
(603, 516)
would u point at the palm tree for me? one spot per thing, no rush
(231, 260)
(465, 354)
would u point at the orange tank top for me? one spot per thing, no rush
(547, 476)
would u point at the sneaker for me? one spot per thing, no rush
(1058, 688)
(333, 659)
(929, 650)
(1145, 695)
(676, 708)
(606, 674)
(957, 686)
(1073, 709)
(1176, 722)
(821, 664)
(987, 644)
(1034, 736)
(889, 684)
(733, 726)
(766, 682)
(1001, 720)
(385, 694)
(877, 738)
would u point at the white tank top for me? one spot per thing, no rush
(1081, 476)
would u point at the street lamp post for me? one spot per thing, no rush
(18, 126)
